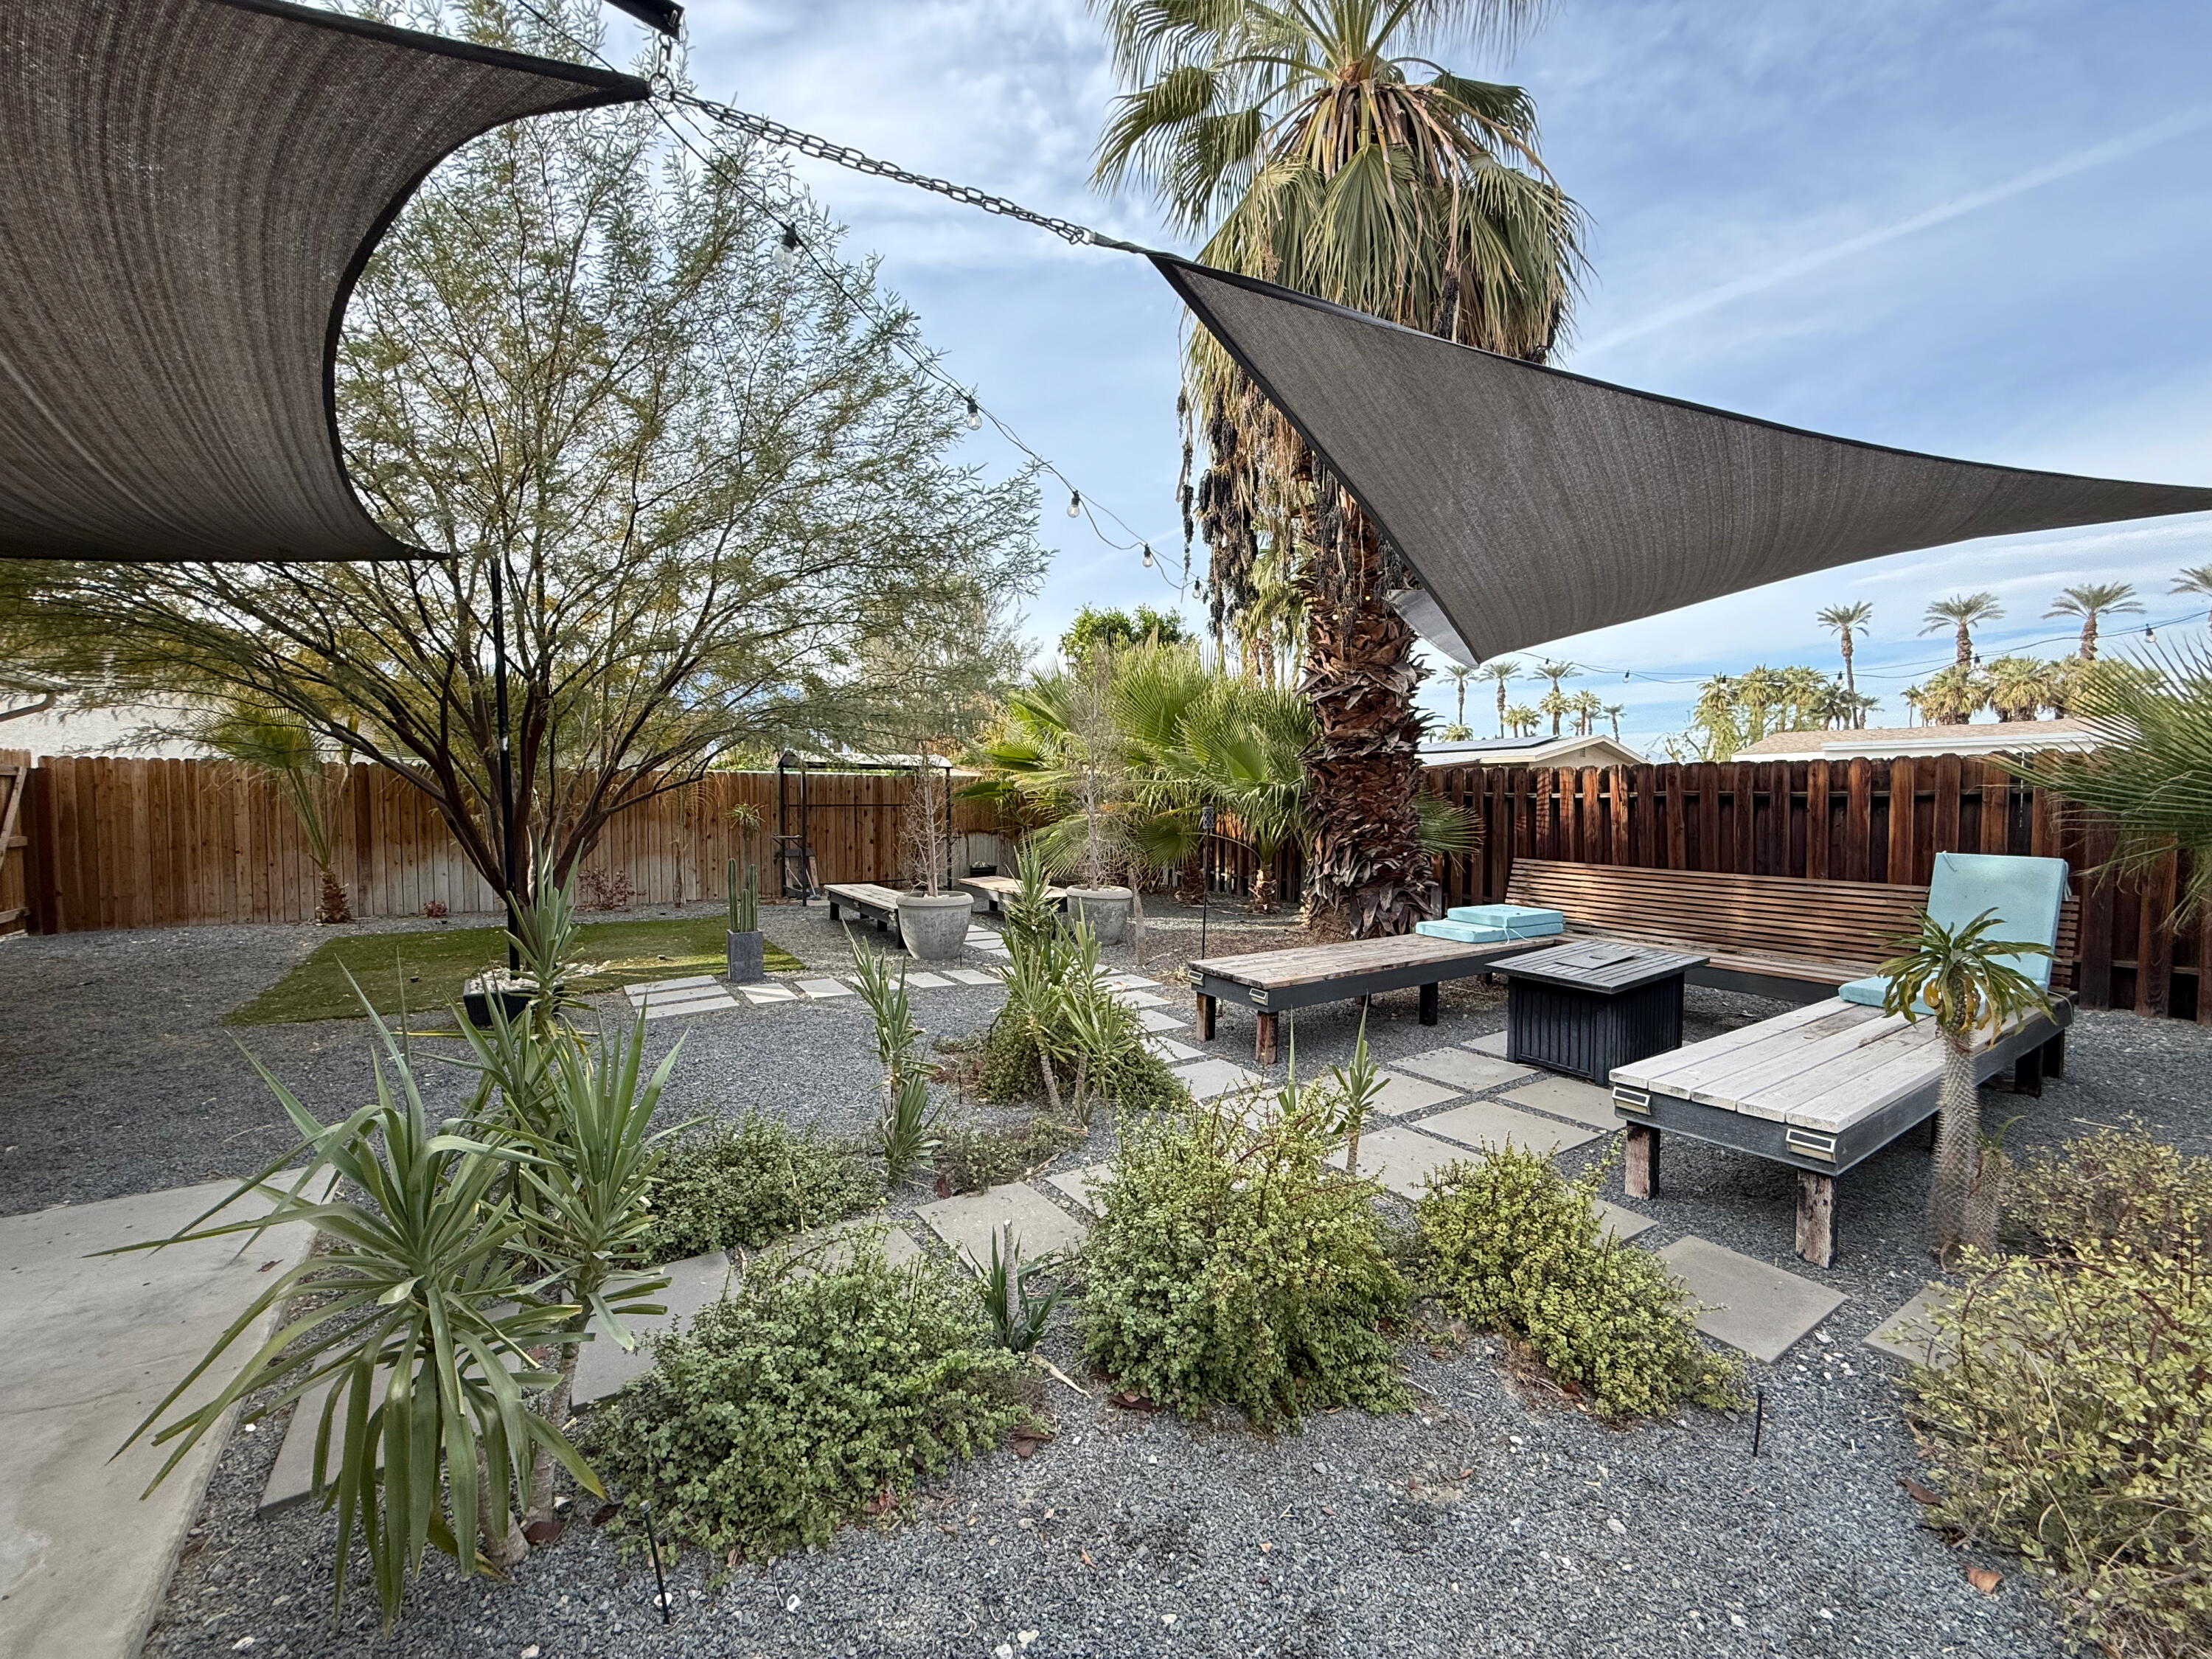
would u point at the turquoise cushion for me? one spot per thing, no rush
(2025, 894)
(1518, 920)
(1869, 992)
(1461, 931)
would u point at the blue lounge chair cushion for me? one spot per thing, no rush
(2025, 894)
(1867, 992)
(1517, 921)
(1464, 933)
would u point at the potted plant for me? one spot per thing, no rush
(932, 923)
(746, 961)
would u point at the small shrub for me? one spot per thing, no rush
(2116, 1184)
(1512, 1244)
(436, 909)
(749, 1183)
(783, 1411)
(606, 889)
(1235, 1269)
(972, 1156)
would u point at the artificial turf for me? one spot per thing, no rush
(421, 970)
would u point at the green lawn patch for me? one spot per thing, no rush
(422, 971)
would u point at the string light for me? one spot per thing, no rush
(1148, 556)
(786, 249)
(1074, 503)
(975, 414)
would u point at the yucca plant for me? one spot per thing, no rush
(1018, 1314)
(547, 939)
(883, 987)
(903, 1133)
(1359, 1084)
(1963, 979)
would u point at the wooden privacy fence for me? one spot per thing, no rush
(126, 842)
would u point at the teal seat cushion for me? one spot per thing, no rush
(2027, 894)
(1867, 992)
(1463, 933)
(1516, 920)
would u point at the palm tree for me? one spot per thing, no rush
(1521, 719)
(1844, 620)
(1312, 145)
(2090, 601)
(2020, 688)
(1589, 709)
(1966, 982)
(1963, 613)
(1242, 748)
(1613, 711)
(2194, 579)
(1555, 703)
(1500, 671)
(1951, 697)
(1458, 673)
(270, 743)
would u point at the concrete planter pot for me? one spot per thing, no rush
(746, 960)
(934, 926)
(1106, 909)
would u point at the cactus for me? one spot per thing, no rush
(744, 899)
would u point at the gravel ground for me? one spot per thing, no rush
(1492, 1520)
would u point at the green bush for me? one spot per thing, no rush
(2075, 1425)
(972, 1156)
(749, 1183)
(1235, 1269)
(781, 1412)
(1511, 1244)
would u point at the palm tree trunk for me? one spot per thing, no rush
(1501, 708)
(1262, 902)
(1190, 885)
(1957, 1146)
(1965, 647)
(1367, 875)
(1850, 681)
(2089, 637)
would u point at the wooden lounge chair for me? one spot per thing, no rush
(1269, 982)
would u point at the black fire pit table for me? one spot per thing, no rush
(1587, 1007)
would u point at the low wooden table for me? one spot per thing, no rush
(1270, 981)
(1585, 1007)
(867, 901)
(996, 891)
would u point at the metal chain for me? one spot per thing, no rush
(845, 155)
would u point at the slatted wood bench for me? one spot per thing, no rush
(1270, 981)
(1784, 937)
(865, 900)
(996, 891)
(1821, 1088)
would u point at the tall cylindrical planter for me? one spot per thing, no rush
(1105, 910)
(747, 964)
(934, 926)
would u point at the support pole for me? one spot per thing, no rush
(506, 859)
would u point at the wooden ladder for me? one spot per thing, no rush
(15, 780)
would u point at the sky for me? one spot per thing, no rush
(1977, 227)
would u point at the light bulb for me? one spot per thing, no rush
(974, 415)
(1148, 556)
(2150, 633)
(1074, 503)
(786, 249)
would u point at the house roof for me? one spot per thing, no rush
(1529, 751)
(1885, 742)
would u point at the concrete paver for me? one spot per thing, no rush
(1402, 1159)
(1463, 1068)
(1623, 1224)
(1493, 1043)
(1403, 1094)
(1489, 1123)
(1153, 1020)
(825, 987)
(1208, 1079)
(1080, 1184)
(971, 977)
(1169, 1049)
(1746, 1304)
(926, 982)
(1566, 1096)
(1910, 1334)
(968, 1221)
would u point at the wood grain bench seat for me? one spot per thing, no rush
(997, 891)
(1784, 937)
(1269, 982)
(865, 900)
(1821, 1088)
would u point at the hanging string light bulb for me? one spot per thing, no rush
(2149, 633)
(1148, 556)
(1074, 503)
(787, 246)
(975, 414)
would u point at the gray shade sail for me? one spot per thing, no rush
(190, 190)
(1533, 504)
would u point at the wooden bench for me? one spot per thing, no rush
(1270, 981)
(996, 891)
(865, 900)
(1821, 1088)
(1784, 937)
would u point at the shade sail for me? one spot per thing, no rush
(189, 190)
(1533, 504)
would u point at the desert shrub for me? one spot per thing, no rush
(749, 1183)
(972, 1156)
(2075, 1425)
(1510, 1243)
(781, 1412)
(1056, 1008)
(1235, 1268)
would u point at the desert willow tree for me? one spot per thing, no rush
(1313, 144)
(703, 477)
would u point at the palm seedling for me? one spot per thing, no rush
(1965, 979)
(276, 746)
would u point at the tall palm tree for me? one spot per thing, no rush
(1458, 673)
(2090, 601)
(1844, 621)
(1555, 702)
(1963, 613)
(1613, 711)
(1522, 720)
(2194, 579)
(1589, 709)
(1500, 671)
(1313, 144)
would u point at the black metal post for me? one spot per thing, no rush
(1758, 1423)
(1206, 871)
(506, 862)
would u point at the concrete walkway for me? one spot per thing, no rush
(87, 1348)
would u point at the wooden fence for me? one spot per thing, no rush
(125, 842)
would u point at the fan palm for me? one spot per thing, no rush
(1500, 672)
(1314, 148)
(1962, 613)
(1242, 747)
(1846, 620)
(1966, 981)
(2090, 601)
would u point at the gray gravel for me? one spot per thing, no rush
(1493, 1520)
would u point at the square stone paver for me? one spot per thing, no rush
(1402, 1159)
(1462, 1068)
(758, 994)
(1623, 1224)
(651, 988)
(825, 987)
(969, 1222)
(1403, 1094)
(1135, 982)
(1566, 1096)
(1137, 999)
(1493, 1043)
(1747, 1304)
(712, 1003)
(1170, 1051)
(1208, 1079)
(971, 977)
(1153, 1020)
(1488, 1123)
(603, 1366)
(1909, 1334)
(926, 982)
(1079, 1184)
(831, 1247)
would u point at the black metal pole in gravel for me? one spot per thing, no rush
(652, 1536)
(1757, 1420)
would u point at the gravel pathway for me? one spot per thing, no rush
(1493, 1520)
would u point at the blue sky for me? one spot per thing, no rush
(1979, 228)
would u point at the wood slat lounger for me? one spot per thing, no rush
(1270, 981)
(1784, 937)
(996, 891)
(865, 900)
(1821, 1088)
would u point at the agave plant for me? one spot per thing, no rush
(1965, 980)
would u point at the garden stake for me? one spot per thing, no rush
(652, 1538)
(1759, 1421)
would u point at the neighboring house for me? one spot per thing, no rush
(1892, 742)
(68, 729)
(1566, 750)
